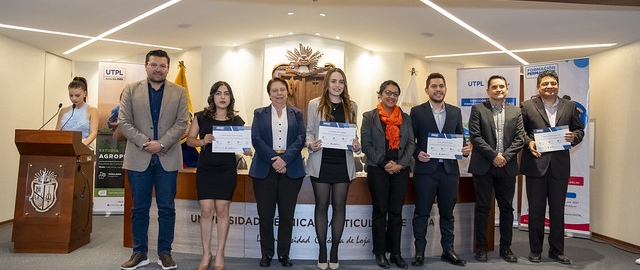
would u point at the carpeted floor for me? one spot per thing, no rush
(106, 252)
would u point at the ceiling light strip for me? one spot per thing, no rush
(587, 46)
(42, 31)
(118, 28)
(472, 30)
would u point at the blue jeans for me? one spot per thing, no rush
(142, 184)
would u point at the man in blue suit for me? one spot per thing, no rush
(435, 177)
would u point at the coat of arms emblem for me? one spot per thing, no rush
(43, 190)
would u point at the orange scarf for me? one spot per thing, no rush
(392, 120)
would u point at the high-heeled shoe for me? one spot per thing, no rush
(323, 265)
(206, 266)
(334, 265)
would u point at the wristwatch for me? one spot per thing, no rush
(162, 145)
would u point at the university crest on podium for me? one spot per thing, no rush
(43, 190)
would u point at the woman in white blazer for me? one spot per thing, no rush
(331, 170)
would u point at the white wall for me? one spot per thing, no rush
(614, 180)
(29, 97)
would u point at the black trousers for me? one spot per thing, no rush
(387, 196)
(428, 187)
(539, 191)
(504, 186)
(281, 190)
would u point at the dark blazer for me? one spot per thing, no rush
(534, 116)
(262, 140)
(423, 124)
(374, 139)
(482, 130)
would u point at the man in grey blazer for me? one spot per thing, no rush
(497, 136)
(547, 174)
(153, 116)
(434, 177)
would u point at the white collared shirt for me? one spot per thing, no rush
(279, 128)
(552, 111)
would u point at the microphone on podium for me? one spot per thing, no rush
(59, 106)
(73, 108)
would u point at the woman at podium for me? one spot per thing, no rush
(80, 116)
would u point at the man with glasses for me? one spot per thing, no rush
(547, 174)
(434, 177)
(153, 116)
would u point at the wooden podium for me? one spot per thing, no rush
(54, 197)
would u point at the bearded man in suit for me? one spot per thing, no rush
(547, 174)
(497, 135)
(153, 116)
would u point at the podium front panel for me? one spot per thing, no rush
(43, 190)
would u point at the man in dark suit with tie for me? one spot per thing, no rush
(435, 177)
(497, 135)
(547, 174)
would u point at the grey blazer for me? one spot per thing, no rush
(482, 130)
(374, 142)
(315, 158)
(137, 126)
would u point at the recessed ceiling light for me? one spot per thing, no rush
(317, 34)
(290, 13)
(337, 37)
(235, 44)
(290, 33)
(270, 35)
(323, 15)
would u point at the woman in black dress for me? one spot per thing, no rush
(216, 175)
(331, 170)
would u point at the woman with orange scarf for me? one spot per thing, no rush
(387, 141)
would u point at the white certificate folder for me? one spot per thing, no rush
(444, 145)
(231, 139)
(337, 135)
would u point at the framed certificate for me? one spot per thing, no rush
(337, 135)
(551, 139)
(231, 139)
(444, 145)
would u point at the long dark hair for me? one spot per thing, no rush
(79, 82)
(210, 111)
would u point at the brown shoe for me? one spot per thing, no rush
(137, 260)
(166, 261)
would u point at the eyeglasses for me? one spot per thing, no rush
(390, 93)
(154, 66)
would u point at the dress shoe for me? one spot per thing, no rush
(382, 261)
(334, 265)
(323, 265)
(481, 255)
(507, 255)
(285, 261)
(397, 259)
(535, 257)
(418, 260)
(452, 257)
(265, 261)
(559, 257)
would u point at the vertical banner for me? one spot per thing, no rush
(108, 195)
(472, 89)
(574, 85)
